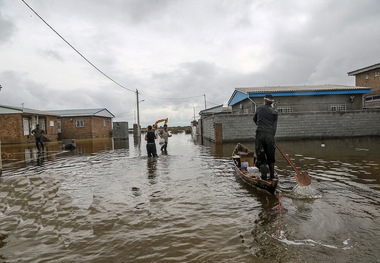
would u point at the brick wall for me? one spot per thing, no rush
(98, 128)
(372, 81)
(11, 130)
(51, 131)
(93, 127)
(299, 125)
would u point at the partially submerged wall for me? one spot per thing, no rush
(305, 125)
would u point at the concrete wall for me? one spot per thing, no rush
(120, 130)
(298, 125)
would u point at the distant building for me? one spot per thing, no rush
(17, 123)
(369, 77)
(220, 109)
(83, 123)
(289, 99)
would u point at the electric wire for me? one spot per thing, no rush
(88, 61)
(98, 69)
(183, 98)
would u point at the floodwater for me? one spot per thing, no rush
(107, 202)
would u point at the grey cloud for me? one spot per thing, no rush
(51, 54)
(6, 29)
(135, 11)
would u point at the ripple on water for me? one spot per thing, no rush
(187, 206)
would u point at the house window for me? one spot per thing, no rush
(373, 98)
(79, 123)
(366, 76)
(376, 73)
(59, 126)
(338, 107)
(285, 109)
(51, 123)
(104, 123)
(25, 123)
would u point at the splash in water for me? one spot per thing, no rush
(305, 192)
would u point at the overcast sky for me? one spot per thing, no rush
(175, 51)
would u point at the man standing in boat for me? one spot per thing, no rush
(266, 120)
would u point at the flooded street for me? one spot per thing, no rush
(107, 202)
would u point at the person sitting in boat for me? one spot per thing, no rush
(266, 120)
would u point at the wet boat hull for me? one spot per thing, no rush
(242, 154)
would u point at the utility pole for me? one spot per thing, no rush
(204, 95)
(138, 108)
(136, 127)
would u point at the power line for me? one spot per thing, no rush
(99, 70)
(213, 102)
(184, 98)
(104, 74)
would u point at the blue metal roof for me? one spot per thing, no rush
(241, 94)
(312, 93)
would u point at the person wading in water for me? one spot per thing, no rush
(164, 134)
(37, 133)
(151, 144)
(266, 120)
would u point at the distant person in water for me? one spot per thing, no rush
(151, 144)
(164, 134)
(266, 120)
(37, 133)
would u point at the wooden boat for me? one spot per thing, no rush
(244, 161)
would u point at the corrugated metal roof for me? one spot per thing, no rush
(103, 112)
(12, 109)
(358, 71)
(82, 112)
(274, 89)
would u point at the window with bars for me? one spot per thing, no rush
(338, 107)
(285, 109)
(79, 123)
(372, 98)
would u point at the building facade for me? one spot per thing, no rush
(17, 123)
(84, 123)
(369, 77)
(305, 112)
(290, 99)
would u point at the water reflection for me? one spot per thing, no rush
(108, 201)
(151, 168)
(27, 154)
